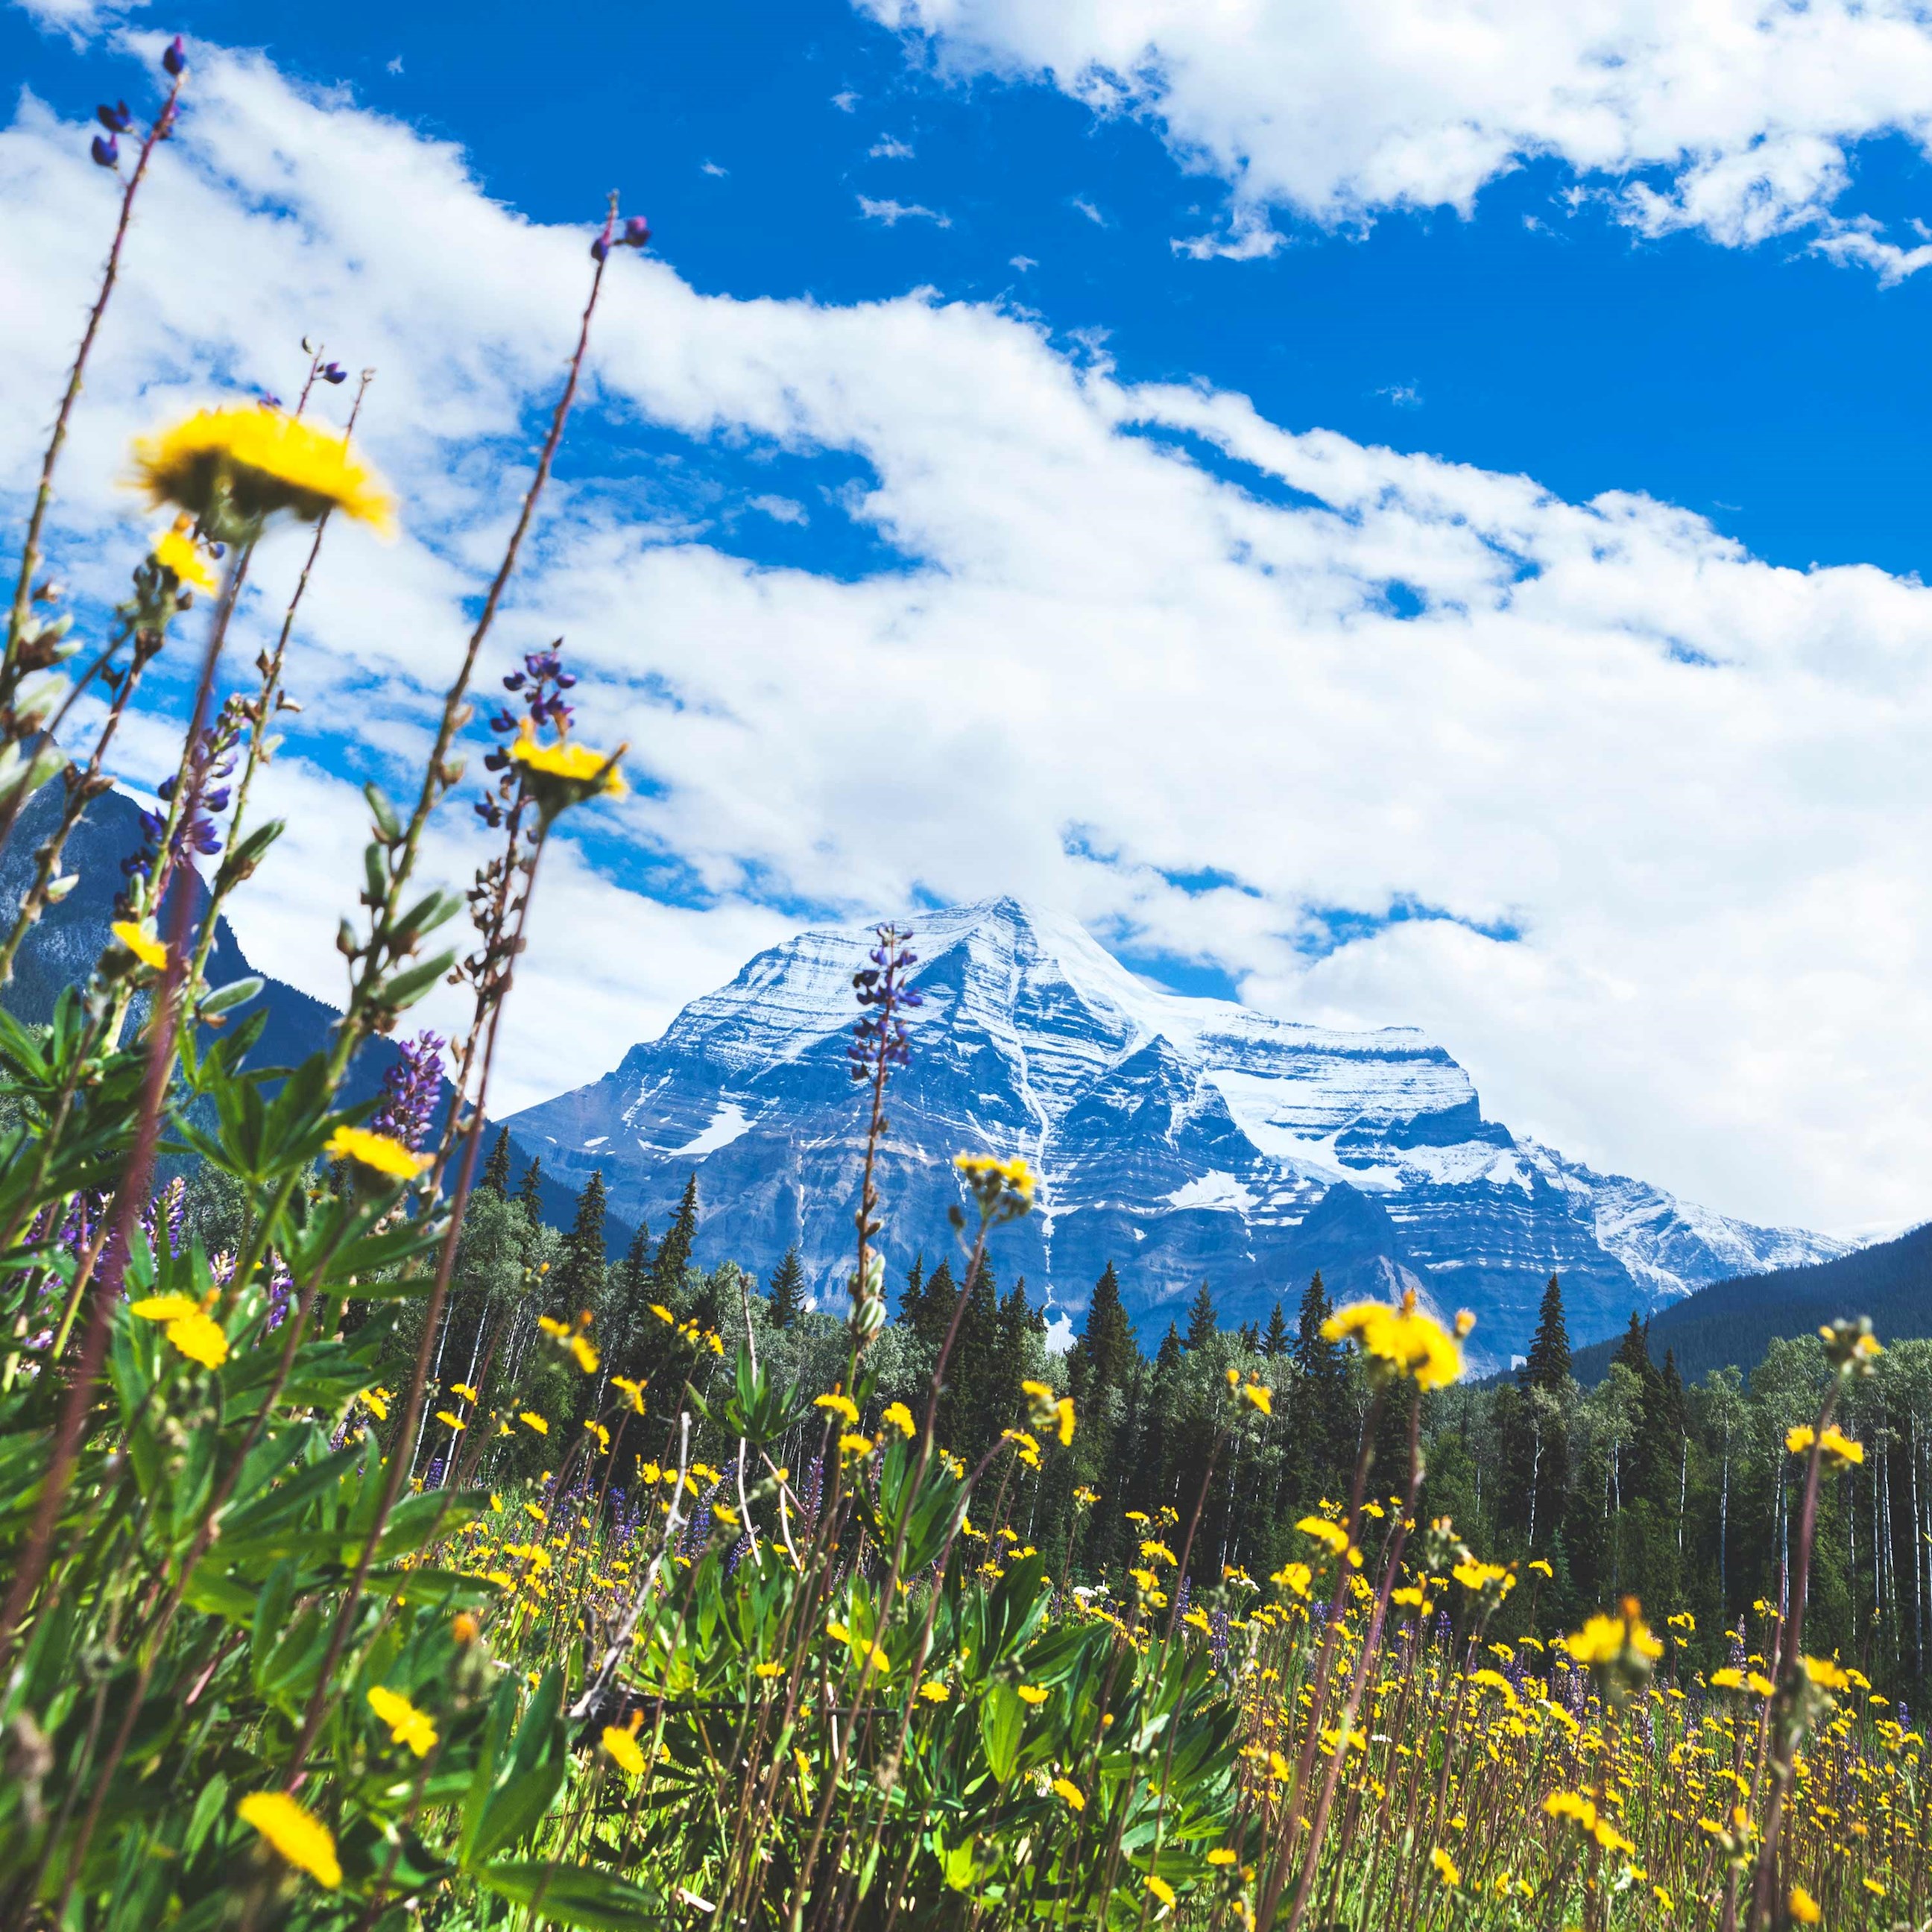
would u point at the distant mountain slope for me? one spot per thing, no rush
(1181, 1138)
(61, 949)
(1733, 1322)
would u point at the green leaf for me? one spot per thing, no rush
(572, 1894)
(1002, 1725)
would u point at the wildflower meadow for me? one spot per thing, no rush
(375, 1559)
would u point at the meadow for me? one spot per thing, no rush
(706, 1611)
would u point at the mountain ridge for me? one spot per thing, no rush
(1181, 1137)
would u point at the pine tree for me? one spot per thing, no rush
(787, 1289)
(578, 1282)
(1274, 1343)
(496, 1168)
(1634, 1351)
(674, 1250)
(529, 1193)
(1201, 1325)
(1547, 1364)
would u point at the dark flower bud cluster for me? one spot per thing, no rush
(333, 373)
(175, 57)
(106, 151)
(881, 1037)
(209, 765)
(412, 1088)
(540, 685)
(635, 233)
(116, 119)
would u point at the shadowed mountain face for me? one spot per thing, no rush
(61, 950)
(1183, 1139)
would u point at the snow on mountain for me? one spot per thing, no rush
(1184, 1139)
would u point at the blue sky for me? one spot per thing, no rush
(1403, 514)
(1774, 392)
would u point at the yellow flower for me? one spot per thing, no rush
(454, 1421)
(1067, 1789)
(1802, 1907)
(1726, 1679)
(192, 1331)
(1221, 1855)
(992, 1177)
(1295, 1577)
(854, 1445)
(1605, 1640)
(900, 1416)
(143, 943)
(933, 1691)
(380, 1153)
(563, 774)
(1032, 1693)
(531, 1420)
(1445, 1868)
(633, 1393)
(182, 557)
(1159, 1887)
(1331, 1535)
(302, 1838)
(1840, 1450)
(625, 1748)
(1399, 1341)
(586, 1354)
(1797, 1440)
(407, 1725)
(1826, 1674)
(839, 1405)
(246, 462)
(1063, 1417)
(1258, 1395)
(165, 1307)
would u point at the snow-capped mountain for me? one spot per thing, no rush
(1183, 1139)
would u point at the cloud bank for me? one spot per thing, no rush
(1627, 818)
(1737, 118)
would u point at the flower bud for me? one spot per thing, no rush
(106, 151)
(333, 372)
(599, 248)
(637, 232)
(174, 57)
(115, 119)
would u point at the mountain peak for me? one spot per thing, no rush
(1178, 1138)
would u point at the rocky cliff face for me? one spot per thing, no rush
(1183, 1139)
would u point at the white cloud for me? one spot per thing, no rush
(889, 148)
(712, 169)
(1081, 206)
(845, 102)
(892, 213)
(780, 509)
(1403, 395)
(1023, 262)
(1735, 117)
(1692, 783)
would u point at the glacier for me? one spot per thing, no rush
(1184, 1139)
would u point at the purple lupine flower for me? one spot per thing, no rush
(174, 57)
(637, 232)
(106, 151)
(412, 1088)
(434, 1480)
(1217, 1637)
(600, 248)
(697, 1531)
(115, 119)
(333, 372)
(1181, 1595)
(165, 1212)
(739, 1550)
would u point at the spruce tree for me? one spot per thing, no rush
(578, 1282)
(674, 1250)
(1319, 1360)
(1547, 1364)
(934, 1315)
(496, 1168)
(1107, 1337)
(529, 1193)
(787, 1289)
(912, 1297)
(1274, 1343)
(1201, 1325)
